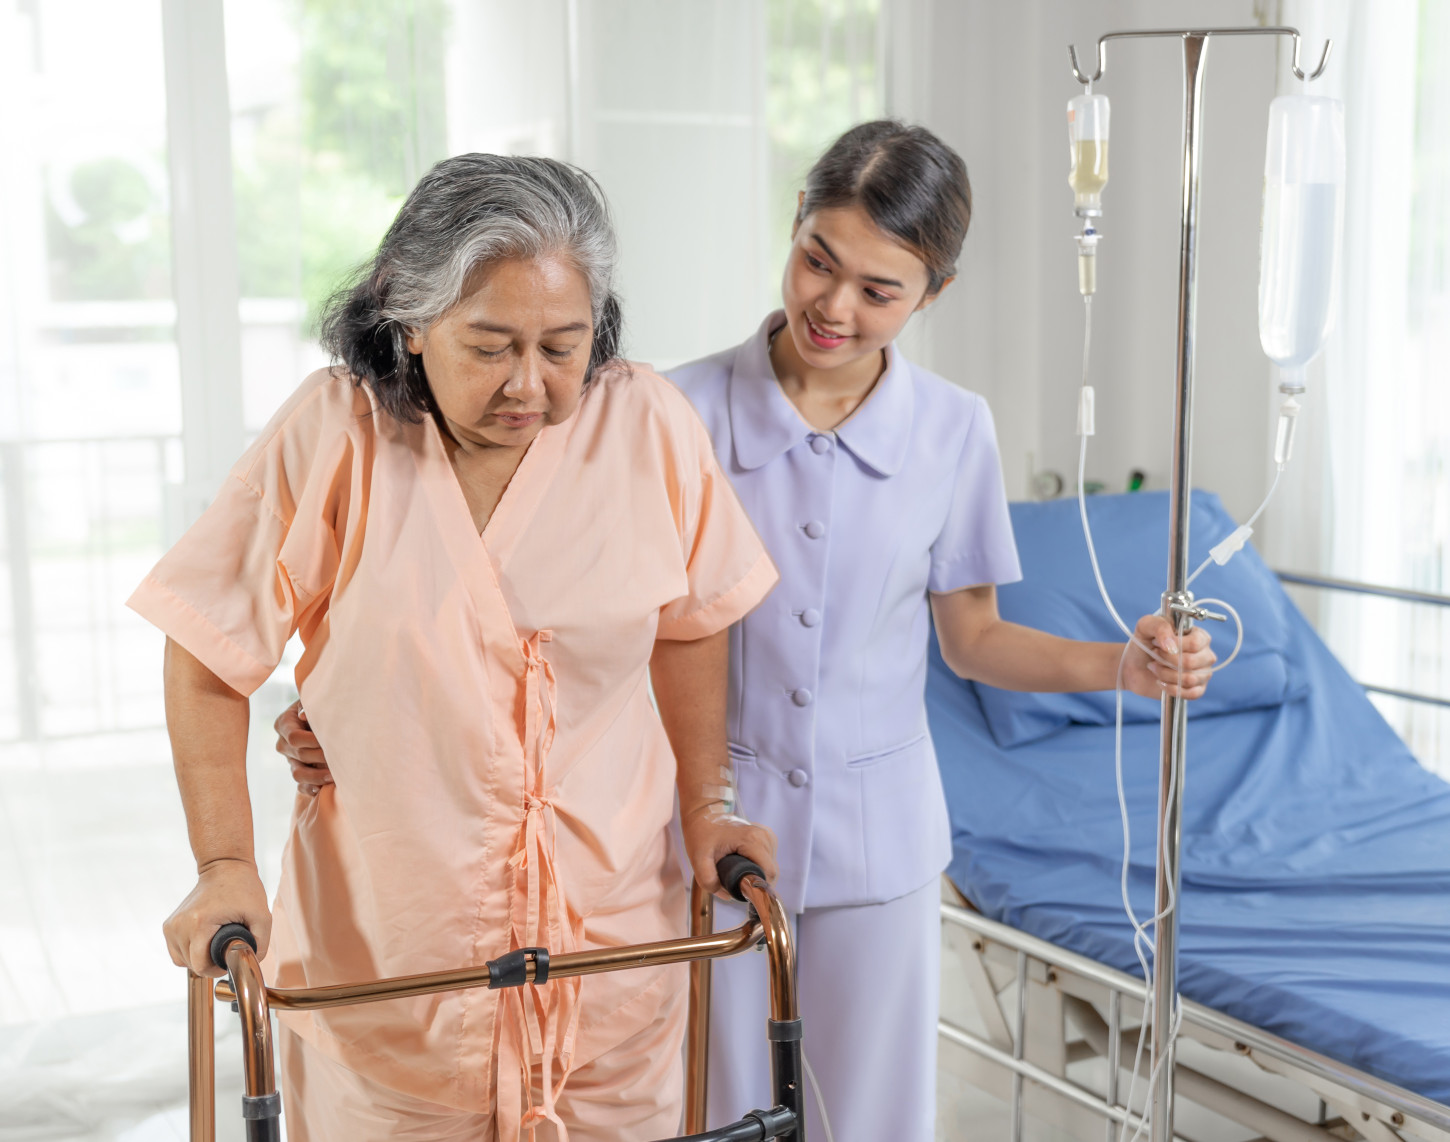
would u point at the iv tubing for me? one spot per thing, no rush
(1087, 338)
(820, 1102)
(1249, 526)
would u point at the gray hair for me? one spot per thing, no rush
(468, 212)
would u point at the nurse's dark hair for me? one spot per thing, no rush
(910, 183)
(466, 213)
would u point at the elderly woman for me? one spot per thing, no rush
(492, 537)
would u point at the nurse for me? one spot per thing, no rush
(877, 488)
(878, 491)
(487, 531)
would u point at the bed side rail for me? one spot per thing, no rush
(1383, 1107)
(1403, 594)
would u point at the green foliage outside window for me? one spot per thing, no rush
(112, 242)
(822, 77)
(319, 183)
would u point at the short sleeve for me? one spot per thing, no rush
(726, 565)
(976, 546)
(260, 560)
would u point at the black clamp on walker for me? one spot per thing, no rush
(234, 950)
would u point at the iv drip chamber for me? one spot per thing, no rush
(1301, 231)
(1087, 135)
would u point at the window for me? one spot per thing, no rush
(335, 108)
(1385, 397)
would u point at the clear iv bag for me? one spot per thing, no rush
(1302, 231)
(1087, 136)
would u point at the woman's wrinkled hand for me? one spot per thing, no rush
(1152, 679)
(710, 834)
(226, 892)
(298, 744)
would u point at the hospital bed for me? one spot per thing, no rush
(1315, 907)
(233, 949)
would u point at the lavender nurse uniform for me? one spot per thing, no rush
(827, 718)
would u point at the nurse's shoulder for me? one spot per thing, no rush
(947, 417)
(706, 382)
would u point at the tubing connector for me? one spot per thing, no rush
(1231, 546)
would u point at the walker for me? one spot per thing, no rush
(234, 949)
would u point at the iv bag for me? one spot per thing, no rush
(1087, 136)
(1301, 231)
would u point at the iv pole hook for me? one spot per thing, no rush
(1102, 62)
(1323, 60)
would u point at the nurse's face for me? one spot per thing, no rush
(511, 356)
(849, 287)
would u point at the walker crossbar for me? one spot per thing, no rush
(234, 949)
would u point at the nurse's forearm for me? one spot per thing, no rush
(1014, 657)
(690, 683)
(207, 721)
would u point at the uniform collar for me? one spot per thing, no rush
(764, 424)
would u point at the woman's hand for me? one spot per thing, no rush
(298, 744)
(1152, 679)
(711, 834)
(226, 892)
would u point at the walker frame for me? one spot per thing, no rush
(234, 950)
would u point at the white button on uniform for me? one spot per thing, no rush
(811, 617)
(815, 529)
(797, 777)
(801, 697)
(820, 444)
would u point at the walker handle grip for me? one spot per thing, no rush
(223, 938)
(733, 868)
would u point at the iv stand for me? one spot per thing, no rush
(1178, 600)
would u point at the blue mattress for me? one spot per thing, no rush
(1316, 849)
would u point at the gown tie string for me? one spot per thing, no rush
(543, 1029)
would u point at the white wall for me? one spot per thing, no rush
(1012, 327)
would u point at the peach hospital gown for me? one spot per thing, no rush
(502, 779)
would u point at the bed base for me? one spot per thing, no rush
(1074, 1009)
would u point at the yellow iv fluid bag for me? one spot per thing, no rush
(1087, 136)
(1302, 231)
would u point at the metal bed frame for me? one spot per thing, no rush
(1073, 1009)
(767, 924)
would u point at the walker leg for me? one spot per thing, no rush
(261, 1104)
(697, 1029)
(201, 1059)
(783, 1028)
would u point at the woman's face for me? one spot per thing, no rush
(511, 356)
(849, 287)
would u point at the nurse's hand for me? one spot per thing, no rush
(1152, 679)
(298, 744)
(710, 836)
(226, 892)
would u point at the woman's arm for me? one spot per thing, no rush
(690, 682)
(207, 721)
(978, 644)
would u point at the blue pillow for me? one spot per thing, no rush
(1058, 595)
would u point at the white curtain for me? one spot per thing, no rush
(699, 117)
(1370, 499)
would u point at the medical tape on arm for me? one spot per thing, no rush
(721, 799)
